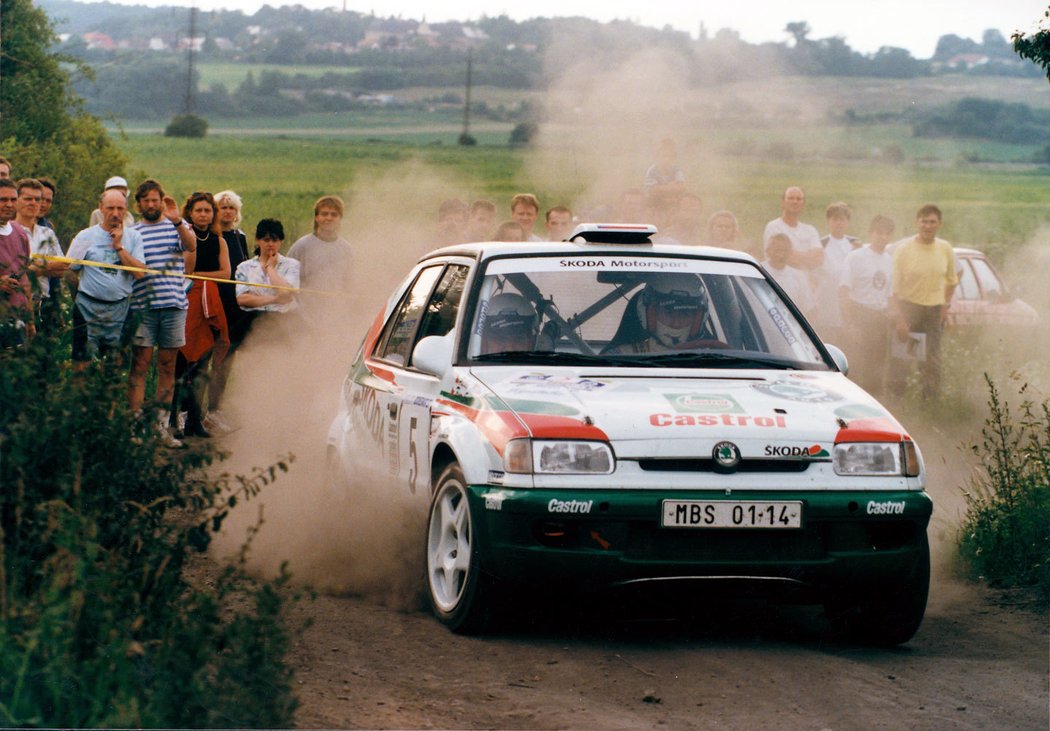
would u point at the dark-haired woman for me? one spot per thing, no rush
(268, 267)
(206, 329)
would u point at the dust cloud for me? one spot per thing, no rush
(285, 388)
(601, 126)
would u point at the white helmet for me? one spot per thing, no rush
(675, 307)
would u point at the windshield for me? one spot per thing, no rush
(635, 310)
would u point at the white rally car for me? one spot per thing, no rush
(610, 412)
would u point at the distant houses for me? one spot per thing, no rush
(383, 34)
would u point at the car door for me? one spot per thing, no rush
(967, 298)
(430, 307)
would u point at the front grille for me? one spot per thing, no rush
(708, 465)
(650, 542)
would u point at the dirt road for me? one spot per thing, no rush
(975, 664)
(979, 661)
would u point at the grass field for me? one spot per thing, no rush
(996, 208)
(231, 75)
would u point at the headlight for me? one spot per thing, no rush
(525, 456)
(868, 458)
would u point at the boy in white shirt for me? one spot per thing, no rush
(793, 281)
(864, 297)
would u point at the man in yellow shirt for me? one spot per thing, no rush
(924, 278)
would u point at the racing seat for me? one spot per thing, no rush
(631, 329)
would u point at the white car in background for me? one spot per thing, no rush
(982, 298)
(606, 412)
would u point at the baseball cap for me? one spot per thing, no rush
(115, 182)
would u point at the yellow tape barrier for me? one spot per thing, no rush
(183, 275)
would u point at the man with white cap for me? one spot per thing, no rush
(120, 184)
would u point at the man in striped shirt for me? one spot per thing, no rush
(159, 300)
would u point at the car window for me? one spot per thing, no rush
(967, 289)
(440, 314)
(652, 310)
(991, 287)
(396, 342)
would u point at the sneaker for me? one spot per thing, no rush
(180, 424)
(168, 439)
(164, 433)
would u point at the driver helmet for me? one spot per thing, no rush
(509, 325)
(675, 307)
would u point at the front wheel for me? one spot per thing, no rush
(891, 614)
(455, 585)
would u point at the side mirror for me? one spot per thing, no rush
(433, 354)
(839, 357)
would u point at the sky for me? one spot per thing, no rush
(912, 24)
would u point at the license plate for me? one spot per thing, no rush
(731, 514)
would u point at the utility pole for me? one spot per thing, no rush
(189, 72)
(465, 138)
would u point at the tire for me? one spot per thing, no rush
(891, 614)
(459, 595)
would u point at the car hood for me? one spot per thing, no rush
(678, 413)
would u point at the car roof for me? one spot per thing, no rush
(483, 250)
(967, 251)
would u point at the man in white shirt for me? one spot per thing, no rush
(325, 257)
(806, 251)
(42, 243)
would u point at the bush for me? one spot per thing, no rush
(523, 134)
(1005, 538)
(99, 625)
(186, 125)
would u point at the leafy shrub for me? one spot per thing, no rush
(186, 125)
(1006, 536)
(523, 134)
(99, 625)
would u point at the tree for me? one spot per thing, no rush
(798, 30)
(1035, 46)
(35, 94)
(46, 132)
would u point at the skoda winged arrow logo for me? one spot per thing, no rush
(726, 456)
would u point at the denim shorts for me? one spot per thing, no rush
(163, 327)
(103, 323)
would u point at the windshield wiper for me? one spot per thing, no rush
(719, 358)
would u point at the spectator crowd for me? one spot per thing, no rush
(179, 288)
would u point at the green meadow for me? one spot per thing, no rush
(231, 75)
(995, 207)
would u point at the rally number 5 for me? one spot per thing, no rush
(413, 471)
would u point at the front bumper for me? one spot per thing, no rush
(848, 539)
